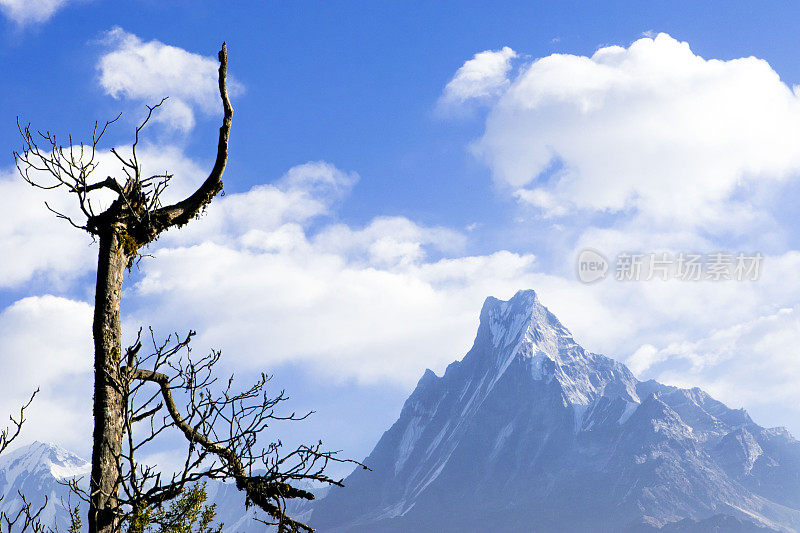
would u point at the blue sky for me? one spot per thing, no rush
(376, 195)
(355, 83)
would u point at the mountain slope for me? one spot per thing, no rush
(38, 472)
(530, 432)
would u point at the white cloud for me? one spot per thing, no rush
(752, 363)
(303, 306)
(33, 242)
(46, 343)
(643, 358)
(36, 245)
(652, 129)
(387, 241)
(305, 192)
(318, 179)
(481, 78)
(148, 71)
(369, 303)
(25, 12)
(56, 330)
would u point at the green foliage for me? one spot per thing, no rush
(74, 520)
(187, 514)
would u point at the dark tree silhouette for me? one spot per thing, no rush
(163, 390)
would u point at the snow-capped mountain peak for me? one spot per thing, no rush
(531, 432)
(38, 471)
(523, 317)
(42, 457)
(523, 329)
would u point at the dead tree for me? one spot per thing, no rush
(135, 218)
(168, 389)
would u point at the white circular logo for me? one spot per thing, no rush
(592, 266)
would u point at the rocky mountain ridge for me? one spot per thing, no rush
(531, 432)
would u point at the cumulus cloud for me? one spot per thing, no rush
(481, 78)
(644, 358)
(319, 180)
(387, 241)
(33, 242)
(46, 343)
(305, 192)
(370, 303)
(148, 71)
(303, 306)
(751, 363)
(57, 330)
(25, 12)
(652, 130)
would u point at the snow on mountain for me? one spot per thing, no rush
(531, 432)
(38, 472)
(42, 457)
(528, 432)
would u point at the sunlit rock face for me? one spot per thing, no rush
(530, 432)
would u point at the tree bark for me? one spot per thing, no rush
(108, 398)
(122, 233)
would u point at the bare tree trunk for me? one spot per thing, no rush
(222, 446)
(108, 399)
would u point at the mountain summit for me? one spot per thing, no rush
(39, 471)
(530, 432)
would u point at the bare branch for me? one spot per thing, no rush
(185, 210)
(27, 518)
(8, 434)
(221, 432)
(136, 214)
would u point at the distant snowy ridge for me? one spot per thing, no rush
(39, 456)
(530, 432)
(38, 471)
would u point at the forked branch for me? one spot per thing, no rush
(221, 431)
(185, 210)
(9, 434)
(136, 210)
